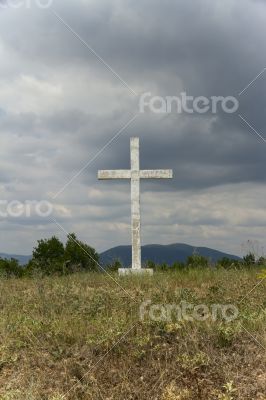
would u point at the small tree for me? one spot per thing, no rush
(227, 263)
(150, 264)
(261, 261)
(114, 266)
(48, 256)
(80, 256)
(197, 261)
(177, 265)
(162, 267)
(10, 268)
(249, 259)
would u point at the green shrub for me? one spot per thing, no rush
(80, 256)
(249, 259)
(150, 264)
(10, 268)
(178, 266)
(162, 267)
(228, 263)
(261, 261)
(47, 256)
(114, 267)
(196, 261)
(51, 257)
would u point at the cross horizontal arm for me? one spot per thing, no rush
(156, 173)
(114, 174)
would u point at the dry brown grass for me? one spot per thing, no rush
(58, 335)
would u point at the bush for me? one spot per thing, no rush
(47, 256)
(177, 266)
(249, 259)
(228, 263)
(80, 256)
(162, 267)
(114, 267)
(196, 261)
(261, 261)
(10, 268)
(50, 256)
(150, 265)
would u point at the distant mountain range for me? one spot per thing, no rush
(162, 254)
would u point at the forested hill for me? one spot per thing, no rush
(162, 254)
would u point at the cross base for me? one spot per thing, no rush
(134, 271)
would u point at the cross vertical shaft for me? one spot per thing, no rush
(135, 203)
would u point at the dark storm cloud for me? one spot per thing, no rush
(203, 46)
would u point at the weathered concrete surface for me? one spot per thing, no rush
(132, 271)
(116, 174)
(135, 174)
(156, 174)
(135, 204)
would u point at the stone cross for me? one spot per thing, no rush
(135, 174)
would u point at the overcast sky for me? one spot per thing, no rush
(70, 80)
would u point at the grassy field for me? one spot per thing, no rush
(81, 337)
